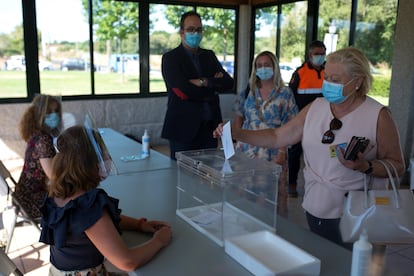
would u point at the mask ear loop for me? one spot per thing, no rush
(55, 138)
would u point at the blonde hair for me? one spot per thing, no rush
(255, 82)
(356, 65)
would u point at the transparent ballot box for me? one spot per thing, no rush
(225, 198)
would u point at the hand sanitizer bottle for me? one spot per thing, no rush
(145, 145)
(361, 256)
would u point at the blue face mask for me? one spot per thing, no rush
(193, 39)
(52, 120)
(333, 92)
(318, 60)
(264, 73)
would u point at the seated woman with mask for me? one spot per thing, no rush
(41, 122)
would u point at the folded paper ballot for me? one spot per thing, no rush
(129, 158)
(227, 141)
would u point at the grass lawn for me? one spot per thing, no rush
(13, 84)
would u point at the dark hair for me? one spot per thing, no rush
(187, 14)
(76, 166)
(316, 44)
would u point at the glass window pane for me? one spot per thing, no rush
(292, 38)
(334, 23)
(265, 31)
(164, 36)
(64, 51)
(375, 37)
(12, 60)
(292, 34)
(219, 34)
(116, 47)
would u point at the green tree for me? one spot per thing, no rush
(375, 29)
(12, 44)
(218, 26)
(161, 41)
(113, 21)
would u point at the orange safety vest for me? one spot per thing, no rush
(310, 82)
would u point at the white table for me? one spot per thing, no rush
(148, 189)
(120, 146)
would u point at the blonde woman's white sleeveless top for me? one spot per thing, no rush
(326, 179)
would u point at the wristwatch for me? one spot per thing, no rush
(370, 168)
(202, 81)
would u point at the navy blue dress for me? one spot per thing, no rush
(63, 229)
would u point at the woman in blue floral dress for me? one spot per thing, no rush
(268, 103)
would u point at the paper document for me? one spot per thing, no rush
(206, 218)
(227, 141)
(226, 167)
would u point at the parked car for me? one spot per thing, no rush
(286, 71)
(18, 63)
(15, 63)
(228, 66)
(71, 64)
(45, 65)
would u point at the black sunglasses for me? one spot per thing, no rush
(328, 137)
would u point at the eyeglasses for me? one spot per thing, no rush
(328, 137)
(194, 30)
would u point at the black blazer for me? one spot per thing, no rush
(185, 100)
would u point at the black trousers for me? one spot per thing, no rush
(203, 140)
(327, 228)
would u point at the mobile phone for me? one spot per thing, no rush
(357, 144)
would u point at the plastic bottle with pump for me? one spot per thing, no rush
(145, 145)
(361, 256)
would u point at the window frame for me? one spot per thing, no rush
(33, 86)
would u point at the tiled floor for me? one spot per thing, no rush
(32, 257)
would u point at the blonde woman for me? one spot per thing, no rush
(268, 103)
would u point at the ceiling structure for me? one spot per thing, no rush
(234, 2)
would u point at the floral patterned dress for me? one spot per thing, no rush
(31, 188)
(275, 111)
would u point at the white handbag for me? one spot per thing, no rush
(386, 215)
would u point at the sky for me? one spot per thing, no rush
(68, 25)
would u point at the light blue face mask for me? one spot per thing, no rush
(264, 73)
(193, 39)
(333, 92)
(52, 120)
(318, 60)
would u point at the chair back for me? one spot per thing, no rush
(5, 188)
(7, 267)
(6, 181)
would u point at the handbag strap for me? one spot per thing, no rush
(397, 178)
(391, 178)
